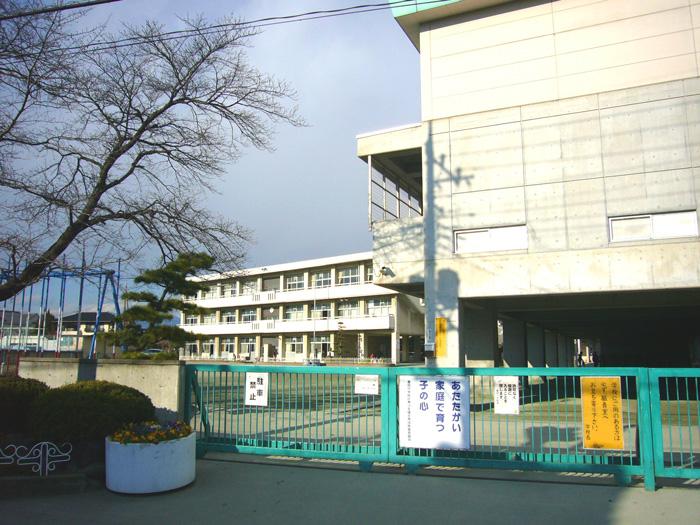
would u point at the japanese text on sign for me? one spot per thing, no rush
(256, 384)
(601, 405)
(434, 412)
(506, 395)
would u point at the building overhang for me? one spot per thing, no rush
(411, 16)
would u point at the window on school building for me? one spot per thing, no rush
(228, 317)
(248, 315)
(321, 279)
(209, 318)
(208, 346)
(348, 309)
(491, 239)
(321, 311)
(229, 345)
(379, 307)
(294, 312)
(191, 319)
(295, 344)
(348, 275)
(653, 226)
(295, 282)
(248, 346)
(249, 287)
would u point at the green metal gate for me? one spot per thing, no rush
(316, 412)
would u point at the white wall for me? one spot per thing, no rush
(513, 55)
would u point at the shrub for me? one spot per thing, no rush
(16, 394)
(87, 411)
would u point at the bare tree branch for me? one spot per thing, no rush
(117, 148)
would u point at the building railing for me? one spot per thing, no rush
(317, 412)
(366, 322)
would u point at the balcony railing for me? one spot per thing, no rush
(330, 324)
(282, 296)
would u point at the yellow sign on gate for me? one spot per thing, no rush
(440, 337)
(601, 405)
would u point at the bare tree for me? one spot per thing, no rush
(115, 145)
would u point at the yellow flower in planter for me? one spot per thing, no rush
(151, 432)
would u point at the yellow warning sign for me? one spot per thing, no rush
(440, 337)
(601, 405)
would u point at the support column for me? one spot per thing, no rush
(566, 350)
(480, 338)
(236, 347)
(361, 345)
(217, 348)
(441, 301)
(514, 343)
(306, 345)
(395, 340)
(258, 346)
(550, 349)
(535, 346)
(281, 350)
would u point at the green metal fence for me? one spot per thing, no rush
(547, 433)
(311, 412)
(316, 412)
(675, 405)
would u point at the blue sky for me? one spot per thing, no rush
(352, 74)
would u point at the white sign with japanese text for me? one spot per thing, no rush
(506, 395)
(367, 384)
(434, 412)
(256, 384)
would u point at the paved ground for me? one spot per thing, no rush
(250, 490)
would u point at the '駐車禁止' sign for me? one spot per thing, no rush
(434, 412)
(256, 384)
(601, 405)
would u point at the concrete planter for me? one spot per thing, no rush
(144, 468)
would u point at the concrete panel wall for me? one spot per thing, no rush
(162, 382)
(523, 53)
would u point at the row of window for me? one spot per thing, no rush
(621, 229)
(293, 344)
(319, 279)
(295, 312)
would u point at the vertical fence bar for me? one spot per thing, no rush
(647, 405)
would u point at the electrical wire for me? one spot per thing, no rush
(55, 9)
(252, 24)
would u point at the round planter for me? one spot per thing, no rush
(144, 468)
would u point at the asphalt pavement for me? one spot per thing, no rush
(255, 490)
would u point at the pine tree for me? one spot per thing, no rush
(144, 323)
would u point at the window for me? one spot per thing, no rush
(295, 282)
(210, 293)
(191, 319)
(209, 318)
(248, 346)
(229, 345)
(249, 287)
(321, 279)
(348, 309)
(390, 200)
(295, 344)
(228, 290)
(321, 311)
(320, 345)
(208, 346)
(294, 312)
(654, 226)
(248, 315)
(349, 275)
(191, 348)
(228, 317)
(491, 239)
(378, 307)
(369, 273)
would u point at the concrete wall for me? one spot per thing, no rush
(562, 169)
(162, 382)
(529, 51)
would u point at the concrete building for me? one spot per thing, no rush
(552, 183)
(314, 309)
